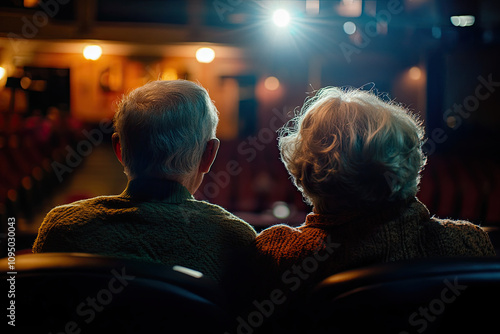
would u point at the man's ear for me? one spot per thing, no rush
(209, 155)
(117, 147)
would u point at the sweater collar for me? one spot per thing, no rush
(402, 210)
(156, 189)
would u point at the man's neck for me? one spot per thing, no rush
(190, 181)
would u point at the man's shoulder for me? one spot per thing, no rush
(204, 208)
(82, 208)
(72, 227)
(453, 226)
(215, 215)
(468, 238)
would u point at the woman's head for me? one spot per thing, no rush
(164, 127)
(351, 147)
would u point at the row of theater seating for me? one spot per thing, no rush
(84, 293)
(246, 178)
(28, 148)
(462, 187)
(249, 177)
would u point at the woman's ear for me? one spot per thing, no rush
(117, 147)
(209, 155)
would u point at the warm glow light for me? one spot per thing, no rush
(271, 83)
(169, 74)
(205, 55)
(92, 52)
(30, 3)
(25, 82)
(2, 72)
(463, 20)
(415, 73)
(350, 8)
(281, 18)
(349, 28)
(12, 195)
(312, 7)
(26, 182)
(451, 121)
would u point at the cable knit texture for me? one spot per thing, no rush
(152, 220)
(327, 244)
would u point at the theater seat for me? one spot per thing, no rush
(84, 293)
(420, 296)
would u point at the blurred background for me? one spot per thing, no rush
(64, 64)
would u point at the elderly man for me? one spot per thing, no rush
(165, 139)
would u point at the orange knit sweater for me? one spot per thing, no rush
(294, 258)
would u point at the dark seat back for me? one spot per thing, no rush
(419, 296)
(69, 292)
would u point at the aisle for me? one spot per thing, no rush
(99, 174)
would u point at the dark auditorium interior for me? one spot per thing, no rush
(64, 64)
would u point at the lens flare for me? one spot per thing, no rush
(281, 18)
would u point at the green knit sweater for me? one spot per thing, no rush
(327, 244)
(153, 220)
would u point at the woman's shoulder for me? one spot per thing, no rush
(280, 230)
(288, 238)
(285, 232)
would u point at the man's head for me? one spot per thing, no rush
(163, 129)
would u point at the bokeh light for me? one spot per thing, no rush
(30, 3)
(205, 55)
(463, 20)
(281, 210)
(349, 28)
(271, 83)
(415, 73)
(312, 7)
(25, 82)
(92, 52)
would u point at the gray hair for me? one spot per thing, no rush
(351, 147)
(164, 127)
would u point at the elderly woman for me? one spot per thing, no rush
(356, 159)
(165, 139)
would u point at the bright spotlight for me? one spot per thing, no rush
(463, 20)
(92, 52)
(281, 18)
(205, 55)
(349, 28)
(2, 72)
